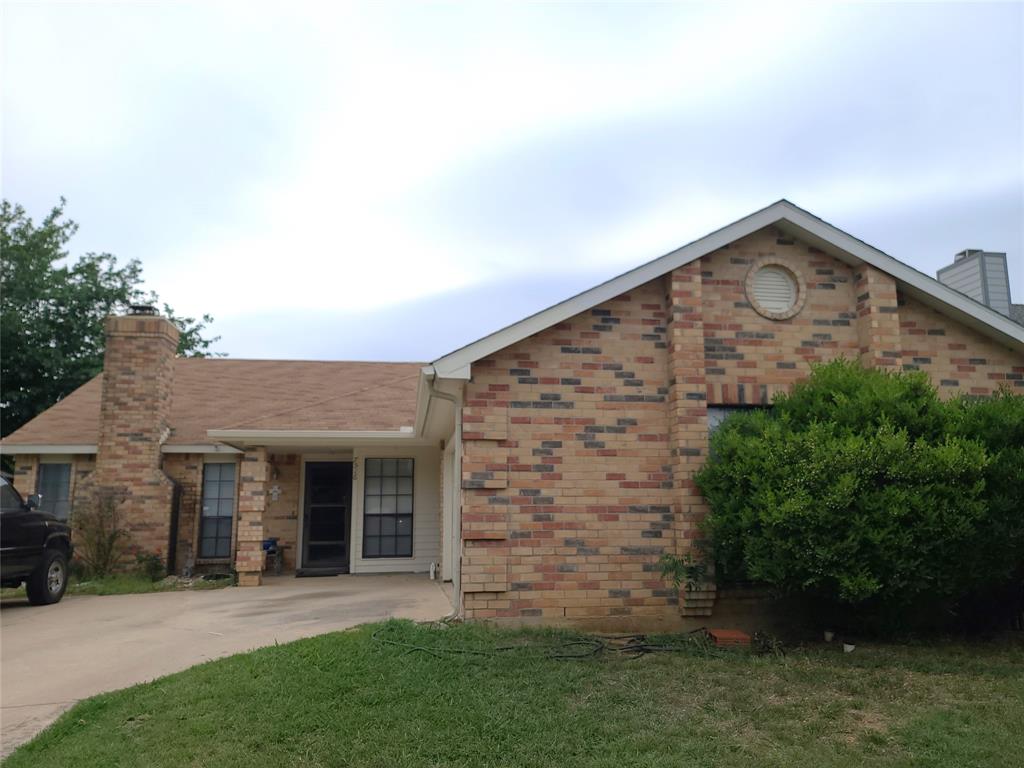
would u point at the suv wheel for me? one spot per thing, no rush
(47, 583)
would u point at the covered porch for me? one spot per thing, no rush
(334, 502)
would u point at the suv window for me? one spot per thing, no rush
(10, 501)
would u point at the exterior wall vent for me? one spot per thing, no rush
(775, 289)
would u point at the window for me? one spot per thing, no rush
(218, 510)
(719, 413)
(54, 489)
(387, 508)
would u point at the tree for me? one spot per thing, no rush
(863, 489)
(52, 313)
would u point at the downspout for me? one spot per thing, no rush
(433, 392)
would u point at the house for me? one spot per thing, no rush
(542, 469)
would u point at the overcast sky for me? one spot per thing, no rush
(393, 181)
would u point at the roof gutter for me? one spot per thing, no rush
(12, 449)
(309, 437)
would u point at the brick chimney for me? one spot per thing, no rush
(138, 375)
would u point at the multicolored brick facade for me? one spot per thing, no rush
(580, 442)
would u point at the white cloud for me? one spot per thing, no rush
(295, 156)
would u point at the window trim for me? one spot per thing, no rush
(364, 477)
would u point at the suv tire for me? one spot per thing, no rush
(48, 582)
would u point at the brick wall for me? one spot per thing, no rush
(281, 518)
(253, 472)
(26, 474)
(750, 357)
(580, 443)
(958, 359)
(567, 469)
(187, 470)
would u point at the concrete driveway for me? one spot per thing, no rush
(50, 657)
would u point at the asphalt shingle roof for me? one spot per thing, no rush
(221, 393)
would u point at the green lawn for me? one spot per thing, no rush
(346, 699)
(124, 584)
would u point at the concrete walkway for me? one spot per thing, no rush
(50, 657)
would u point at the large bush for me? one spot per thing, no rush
(863, 488)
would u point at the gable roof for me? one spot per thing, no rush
(222, 393)
(792, 220)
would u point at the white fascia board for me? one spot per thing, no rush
(422, 400)
(817, 231)
(311, 438)
(13, 449)
(457, 363)
(199, 448)
(985, 319)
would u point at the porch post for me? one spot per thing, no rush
(252, 497)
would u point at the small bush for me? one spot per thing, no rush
(100, 540)
(862, 488)
(150, 566)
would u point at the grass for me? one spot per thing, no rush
(123, 584)
(346, 699)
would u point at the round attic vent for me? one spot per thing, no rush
(774, 290)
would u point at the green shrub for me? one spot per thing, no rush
(150, 566)
(100, 540)
(863, 488)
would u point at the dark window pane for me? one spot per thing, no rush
(328, 524)
(388, 508)
(218, 510)
(54, 486)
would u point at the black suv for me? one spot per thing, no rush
(34, 547)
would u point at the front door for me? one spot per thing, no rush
(326, 515)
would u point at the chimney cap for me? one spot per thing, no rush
(967, 253)
(142, 309)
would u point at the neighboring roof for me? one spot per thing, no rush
(221, 393)
(1017, 313)
(792, 219)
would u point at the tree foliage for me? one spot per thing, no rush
(863, 487)
(52, 311)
